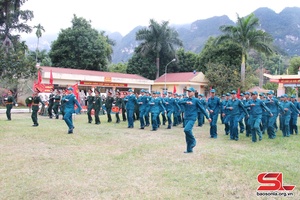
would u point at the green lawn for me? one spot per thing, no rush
(109, 161)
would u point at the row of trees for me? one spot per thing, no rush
(223, 59)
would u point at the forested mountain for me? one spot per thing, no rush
(284, 27)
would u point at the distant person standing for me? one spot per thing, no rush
(9, 102)
(56, 104)
(51, 102)
(118, 103)
(97, 105)
(213, 106)
(90, 105)
(191, 104)
(69, 102)
(36, 100)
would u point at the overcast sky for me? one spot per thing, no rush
(124, 15)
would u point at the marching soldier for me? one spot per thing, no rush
(56, 104)
(170, 105)
(69, 102)
(108, 104)
(213, 106)
(130, 103)
(156, 104)
(256, 110)
(294, 116)
(274, 105)
(200, 117)
(226, 114)
(142, 102)
(190, 115)
(234, 106)
(288, 107)
(9, 102)
(36, 100)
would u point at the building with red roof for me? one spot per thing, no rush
(64, 77)
(180, 82)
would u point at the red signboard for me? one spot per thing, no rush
(289, 80)
(90, 83)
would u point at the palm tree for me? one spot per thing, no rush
(158, 38)
(246, 34)
(38, 33)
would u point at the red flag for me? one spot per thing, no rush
(174, 89)
(39, 76)
(76, 90)
(238, 93)
(51, 78)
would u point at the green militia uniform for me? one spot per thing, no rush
(97, 106)
(90, 102)
(56, 104)
(50, 106)
(35, 108)
(9, 102)
(108, 104)
(118, 102)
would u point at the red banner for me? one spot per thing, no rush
(51, 78)
(76, 90)
(90, 83)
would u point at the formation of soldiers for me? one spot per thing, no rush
(250, 114)
(259, 115)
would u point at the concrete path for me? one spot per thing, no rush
(25, 110)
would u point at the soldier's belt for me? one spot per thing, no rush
(57, 100)
(9, 103)
(35, 104)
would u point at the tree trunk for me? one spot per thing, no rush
(157, 67)
(243, 70)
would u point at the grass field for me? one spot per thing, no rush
(109, 161)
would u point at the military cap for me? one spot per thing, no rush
(254, 93)
(270, 92)
(233, 92)
(191, 89)
(213, 90)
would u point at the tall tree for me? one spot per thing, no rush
(13, 19)
(39, 28)
(158, 38)
(247, 36)
(15, 65)
(81, 47)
